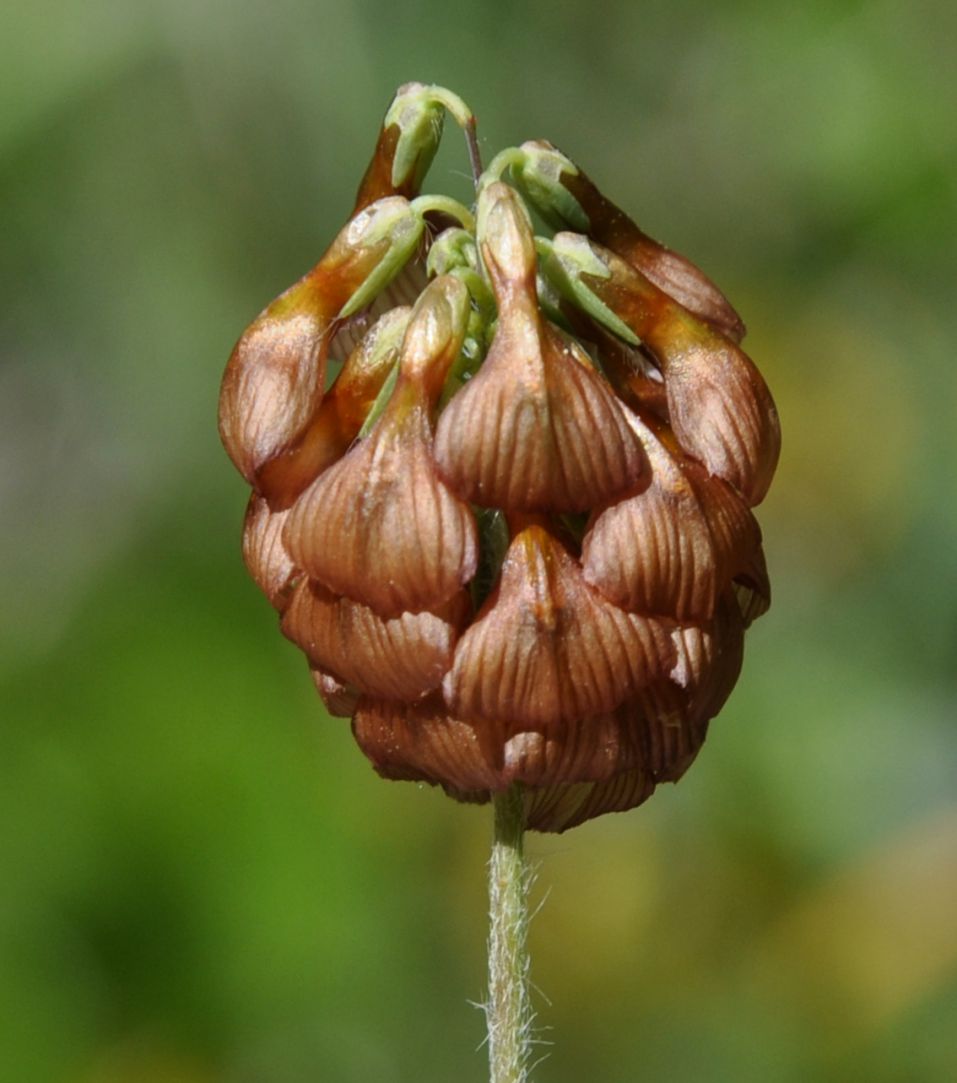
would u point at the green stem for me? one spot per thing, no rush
(508, 1011)
(447, 205)
(475, 154)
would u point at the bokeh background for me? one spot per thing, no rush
(202, 881)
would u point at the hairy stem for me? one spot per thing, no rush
(508, 1011)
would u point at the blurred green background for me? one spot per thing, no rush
(201, 880)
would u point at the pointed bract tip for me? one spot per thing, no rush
(538, 172)
(505, 236)
(387, 231)
(572, 264)
(419, 119)
(436, 331)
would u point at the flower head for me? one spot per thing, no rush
(513, 534)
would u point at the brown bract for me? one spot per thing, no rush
(273, 382)
(538, 429)
(668, 270)
(341, 414)
(722, 413)
(708, 660)
(672, 547)
(631, 370)
(370, 340)
(719, 406)
(400, 658)
(265, 555)
(380, 526)
(572, 768)
(422, 742)
(752, 588)
(548, 648)
(416, 112)
(275, 377)
(340, 700)
(557, 808)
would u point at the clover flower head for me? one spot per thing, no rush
(503, 482)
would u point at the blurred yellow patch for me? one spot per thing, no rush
(849, 473)
(874, 941)
(146, 1061)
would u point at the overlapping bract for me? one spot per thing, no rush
(513, 536)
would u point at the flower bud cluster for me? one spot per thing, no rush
(503, 483)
